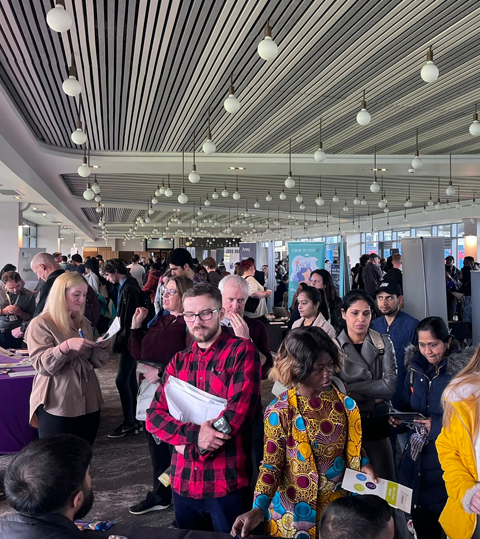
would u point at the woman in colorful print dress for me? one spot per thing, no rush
(312, 433)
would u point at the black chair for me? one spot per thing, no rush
(462, 332)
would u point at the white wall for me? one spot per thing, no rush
(47, 237)
(353, 247)
(9, 233)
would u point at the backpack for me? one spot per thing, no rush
(92, 307)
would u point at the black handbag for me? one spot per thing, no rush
(252, 303)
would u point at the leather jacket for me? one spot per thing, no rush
(370, 376)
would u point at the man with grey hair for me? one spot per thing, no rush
(235, 293)
(46, 269)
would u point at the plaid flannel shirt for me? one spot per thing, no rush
(230, 369)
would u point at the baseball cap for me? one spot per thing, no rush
(390, 288)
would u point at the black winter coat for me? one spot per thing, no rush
(131, 297)
(422, 393)
(17, 526)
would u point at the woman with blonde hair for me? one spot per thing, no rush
(312, 434)
(66, 396)
(458, 447)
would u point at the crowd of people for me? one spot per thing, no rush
(350, 368)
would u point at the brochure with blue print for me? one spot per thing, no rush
(396, 495)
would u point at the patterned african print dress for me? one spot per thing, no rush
(308, 444)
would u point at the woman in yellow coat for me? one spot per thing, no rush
(458, 449)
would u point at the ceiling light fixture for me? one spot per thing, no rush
(363, 117)
(458, 205)
(474, 128)
(79, 137)
(71, 86)
(257, 204)
(430, 201)
(209, 146)
(84, 170)
(290, 182)
(282, 195)
(95, 186)
(408, 203)
(335, 197)
(450, 190)
(345, 208)
(88, 194)
(215, 194)
(319, 200)
(356, 200)
(168, 190)
(206, 201)
(58, 18)
(231, 104)
(182, 197)
(320, 155)
(438, 205)
(267, 48)
(236, 195)
(429, 72)
(374, 187)
(225, 191)
(194, 176)
(417, 162)
(268, 198)
(299, 197)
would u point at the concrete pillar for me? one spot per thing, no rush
(11, 233)
(48, 237)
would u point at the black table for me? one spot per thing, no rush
(276, 333)
(143, 532)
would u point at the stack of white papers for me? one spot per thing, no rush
(188, 404)
(114, 328)
(396, 495)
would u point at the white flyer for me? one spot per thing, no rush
(396, 495)
(112, 330)
(189, 404)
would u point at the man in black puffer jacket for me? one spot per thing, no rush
(130, 296)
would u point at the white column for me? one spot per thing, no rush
(48, 237)
(10, 233)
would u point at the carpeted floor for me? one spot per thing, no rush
(120, 470)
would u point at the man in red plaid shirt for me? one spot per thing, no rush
(210, 470)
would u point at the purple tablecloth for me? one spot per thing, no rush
(15, 431)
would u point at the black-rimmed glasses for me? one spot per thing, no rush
(204, 316)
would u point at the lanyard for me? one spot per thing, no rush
(10, 300)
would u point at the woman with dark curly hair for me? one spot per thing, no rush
(312, 433)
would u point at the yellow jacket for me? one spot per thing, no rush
(456, 452)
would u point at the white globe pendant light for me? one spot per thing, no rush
(236, 195)
(374, 187)
(88, 194)
(345, 208)
(363, 202)
(417, 162)
(319, 200)
(356, 200)
(231, 104)
(154, 200)
(194, 176)
(335, 197)
(98, 198)
(282, 195)
(256, 205)
(209, 146)
(95, 186)
(290, 182)
(267, 48)
(268, 198)
(215, 194)
(225, 192)
(71, 86)
(302, 206)
(363, 117)
(430, 201)
(58, 18)
(474, 128)
(168, 190)
(162, 189)
(182, 197)
(450, 190)
(429, 72)
(320, 155)
(206, 201)
(84, 170)
(382, 204)
(79, 137)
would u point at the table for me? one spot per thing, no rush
(143, 532)
(15, 431)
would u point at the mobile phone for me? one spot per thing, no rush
(222, 425)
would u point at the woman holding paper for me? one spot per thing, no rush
(312, 433)
(458, 447)
(157, 345)
(430, 368)
(66, 396)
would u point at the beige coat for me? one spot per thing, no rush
(66, 385)
(319, 322)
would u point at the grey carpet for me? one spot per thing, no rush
(121, 472)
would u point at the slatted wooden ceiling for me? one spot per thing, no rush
(150, 69)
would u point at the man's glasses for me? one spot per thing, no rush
(204, 316)
(169, 291)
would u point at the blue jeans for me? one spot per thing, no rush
(217, 514)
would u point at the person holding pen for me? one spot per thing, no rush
(66, 396)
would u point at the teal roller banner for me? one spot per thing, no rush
(303, 259)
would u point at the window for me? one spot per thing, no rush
(424, 232)
(403, 234)
(445, 231)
